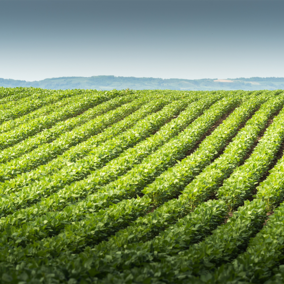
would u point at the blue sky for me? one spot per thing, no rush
(158, 38)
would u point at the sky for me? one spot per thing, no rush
(189, 39)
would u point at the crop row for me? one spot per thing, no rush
(18, 96)
(234, 154)
(57, 200)
(116, 167)
(22, 109)
(26, 131)
(228, 240)
(8, 92)
(179, 253)
(78, 105)
(127, 187)
(53, 106)
(264, 251)
(171, 238)
(53, 133)
(82, 149)
(47, 152)
(134, 181)
(45, 110)
(171, 182)
(39, 94)
(263, 254)
(154, 120)
(48, 135)
(206, 184)
(209, 119)
(101, 155)
(83, 229)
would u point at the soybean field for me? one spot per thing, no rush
(141, 186)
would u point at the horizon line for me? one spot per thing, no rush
(65, 77)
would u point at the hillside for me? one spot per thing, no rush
(119, 83)
(141, 186)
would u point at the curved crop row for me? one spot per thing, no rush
(116, 167)
(126, 197)
(19, 110)
(131, 184)
(95, 263)
(45, 110)
(206, 184)
(101, 155)
(229, 239)
(232, 156)
(261, 117)
(16, 96)
(50, 134)
(39, 94)
(47, 152)
(224, 244)
(80, 150)
(56, 200)
(7, 92)
(265, 250)
(81, 104)
(171, 182)
(240, 184)
(85, 230)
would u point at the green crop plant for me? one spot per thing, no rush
(142, 186)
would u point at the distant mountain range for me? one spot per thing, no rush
(113, 82)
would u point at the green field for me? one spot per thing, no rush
(141, 186)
